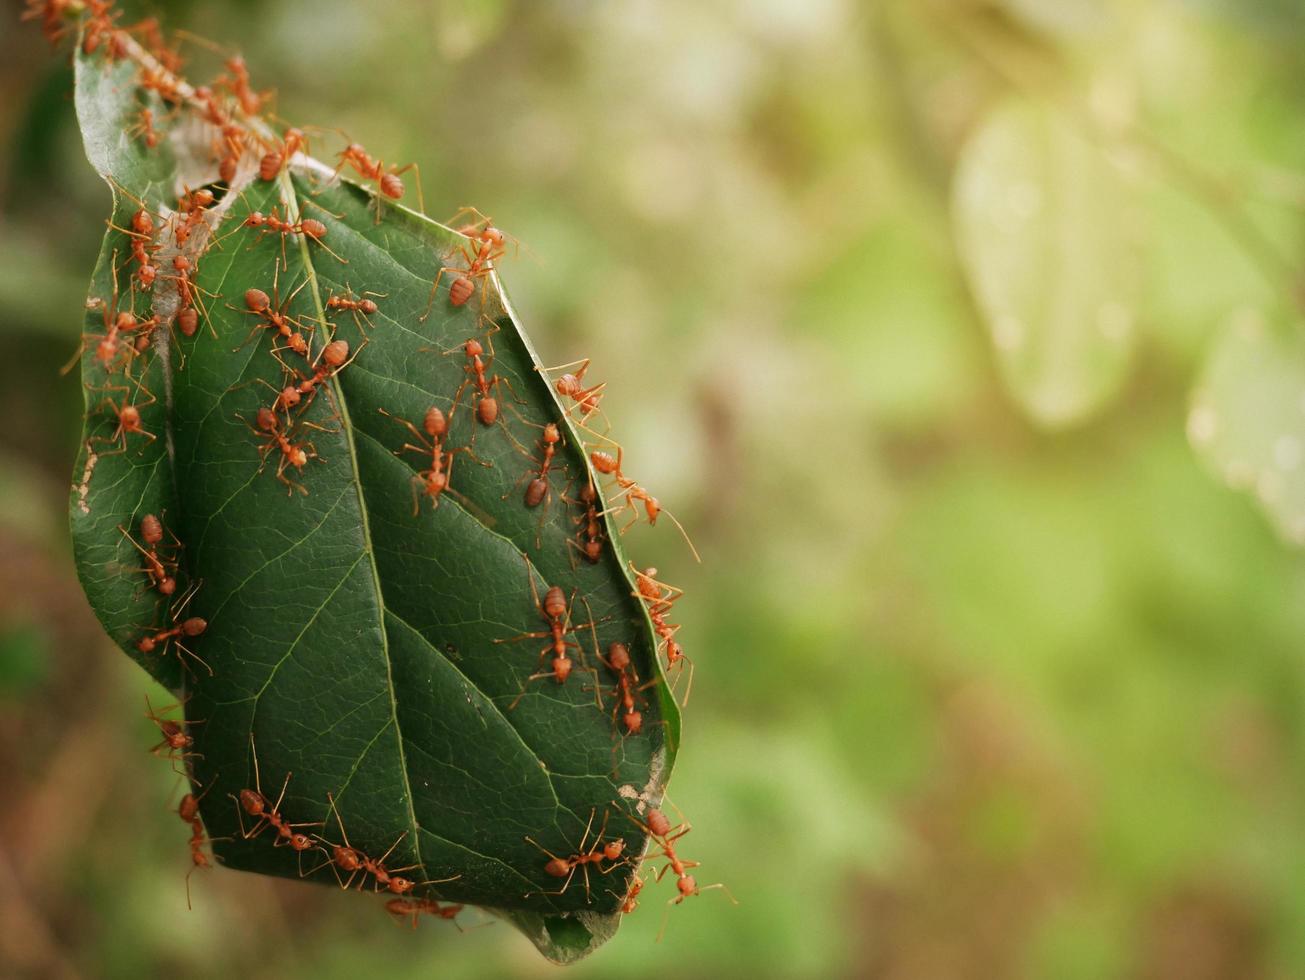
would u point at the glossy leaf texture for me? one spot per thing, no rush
(1247, 417)
(359, 638)
(1042, 225)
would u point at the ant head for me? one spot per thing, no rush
(167, 585)
(129, 416)
(612, 849)
(105, 350)
(203, 93)
(181, 263)
(141, 222)
(473, 348)
(289, 396)
(593, 550)
(146, 274)
(355, 150)
(126, 321)
(687, 885)
(551, 435)
(436, 483)
(492, 235)
(266, 419)
(653, 508)
(588, 494)
(673, 651)
(254, 220)
(298, 457)
(633, 722)
(401, 886)
(300, 842)
(145, 644)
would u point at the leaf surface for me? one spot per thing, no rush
(359, 651)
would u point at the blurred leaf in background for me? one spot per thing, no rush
(973, 697)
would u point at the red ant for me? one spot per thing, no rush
(273, 316)
(556, 612)
(213, 112)
(565, 867)
(387, 181)
(659, 604)
(479, 265)
(571, 386)
(685, 883)
(193, 205)
(274, 161)
(486, 403)
(144, 128)
(189, 628)
(589, 526)
(360, 306)
(635, 494)
(267, 814)
(251, 102)
(176, 740)
(272, 224)
(627, 686)
(348, 858)
(412, 908)
(56, 16)
(435, 480)
(188, 811)
(100, 27)
(332, 359)
(631, 900)
(152, 39)
(156, 569)
(163, 82)
(141, 237)
(235, 139)
(539, 489)
(188, 294)
(116, 322)
(128, 416)
(296, 454)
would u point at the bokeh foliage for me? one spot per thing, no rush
(973, 698)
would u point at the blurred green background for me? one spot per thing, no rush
(979, 693)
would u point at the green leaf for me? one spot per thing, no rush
(357, 646)
(1247, 417)
(1042, 229)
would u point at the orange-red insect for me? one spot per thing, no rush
(360, 306)
(685, 883)
(176, 741)
(57, 17)
(331, 360)
(100, 27)
(212, 110)
(162, 81)
(539, 489)
(189, 628)
(632, 495)
(596, 854)
(274, 224)
(237, 83)
(345, 857)
(152, 39)
(627, 687)
(144, 128)
(659, 597)
(434, 480)
(193, 207)
(484, 385)
(555, 610)
(489, 249)
(571, 385)
(268, 814)
(589, 536)
(275, 160)
(293, 454)
(128, 415)
(159, 569)
(412, 908)
(387, 181)
(272, 315)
